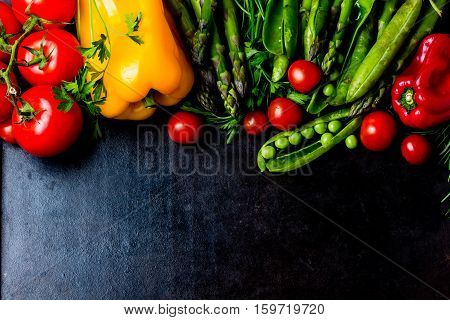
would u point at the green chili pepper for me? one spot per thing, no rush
(383, 52)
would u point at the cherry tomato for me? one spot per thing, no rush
(48, 131)
(284, 114)
(58, 12)
(304, 75)
(6, 107)
(255, 123)
(60, 60)
(6, 132)
(184, 127)
(416, 149)
(11, 27)
(378, 130)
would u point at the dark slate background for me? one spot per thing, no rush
(112, 222)
(131, 218)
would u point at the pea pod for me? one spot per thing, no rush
(305, 10)
(383, 52)
(365, 8)
(425, 27)
(304, 156)
(280, 33)
(362, 47)
(320, 10)
(386, 15)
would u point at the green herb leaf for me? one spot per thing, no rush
(66, 101)
(133, 27)
(99, 48)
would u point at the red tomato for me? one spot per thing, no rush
(59, 12)
(11, 26)
(50, 132)
(184, 128)
(416, 149)
(6, 132)
(6, 107)
(284, 114)
(304, 75)
(378, 130)
(62, 60)
(255, 123)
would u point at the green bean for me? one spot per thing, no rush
(383, 52)
(362, 47)
(317, 20)
(425, 27)
(386, 15)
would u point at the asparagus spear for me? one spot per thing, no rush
(224, 83)
(386, 15)
(205, 15)
(317, 19)
(237, 55)
(336, 42)
(185, 22)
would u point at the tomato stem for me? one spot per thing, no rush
(29, 26)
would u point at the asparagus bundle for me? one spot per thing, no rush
(237, 55)
(204, 10)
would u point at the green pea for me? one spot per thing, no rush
(268, 152)
(340, 58)
(326, 138)
(328, 90)
(320, 128)
(351, 142)
(335, 126)
(295, 138)
(308, 133)
(282, 143)
(335, 75)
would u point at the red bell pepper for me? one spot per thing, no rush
(421, 95)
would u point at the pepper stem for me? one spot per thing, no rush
(407, 100)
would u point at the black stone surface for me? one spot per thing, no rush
(102, 224)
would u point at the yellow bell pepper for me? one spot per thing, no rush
(158, 66)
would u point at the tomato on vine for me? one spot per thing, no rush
(40, 128)
(57, 13)
(6, 106)
(11, 27)
(49, 57)
(6, 132)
